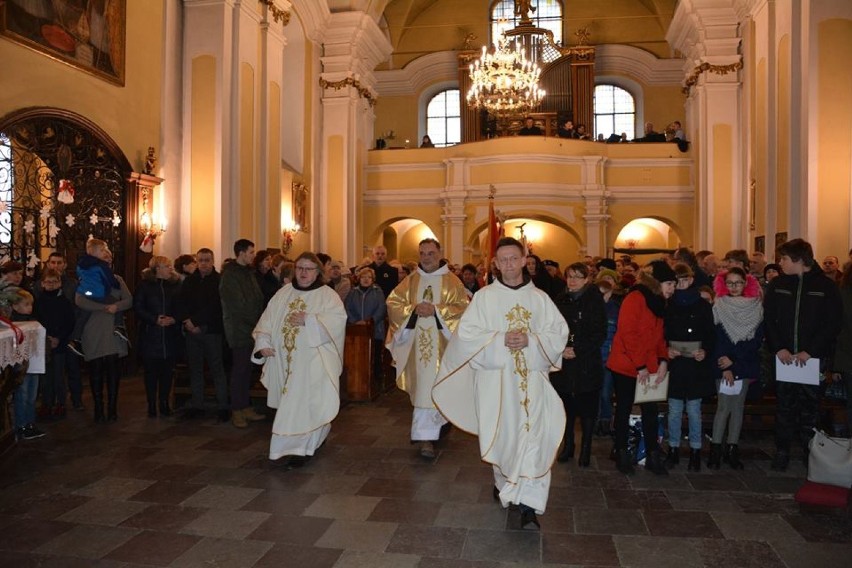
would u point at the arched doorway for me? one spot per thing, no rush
(648, 236)
(547, 238)
(43, 149)
(402, 236)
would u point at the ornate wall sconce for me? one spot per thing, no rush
(288, 233)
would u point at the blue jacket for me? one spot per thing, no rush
(95, 278)
(367, 304)
(744, 354)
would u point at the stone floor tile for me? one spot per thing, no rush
(222, 553)
(696, 524)
(350, 507)
(658, 552)
(437, 542)
(221, 497)
(765, 503)
(756, 526)
(87, 541)
(716, 482)
(46, 507)
(604, 521)
(427, 562)
(695, 501)
(361, 559)
(389, 488)
(225, 524)
(821, 528)
(585, 497)
(114, 487)
(28, 534)
(443, 492)
(279, 480)
(149, 547)
(557, 520)
(304, 531)
(173, 472)
(103, 512)
(167, 492)
(503, 546)
(739, 553)
(404, 511)
(302, 556)
(379, 470)
(223, 476)
(644, 500)
(357, 535)
(340, 484)
(813, 555)
(280, 502)
(586, 550)
(170, 518)
(472, 516)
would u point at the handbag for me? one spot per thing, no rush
(650, 392)
(830, 460)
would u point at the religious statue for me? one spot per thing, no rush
(150, 162)
(522, 9)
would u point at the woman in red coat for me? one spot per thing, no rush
(639, 350)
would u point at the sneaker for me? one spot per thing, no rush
(76, 348)
(238, 420)
(121, 333)
(30, 432)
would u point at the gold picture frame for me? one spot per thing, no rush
(90, 36)
(301, 203)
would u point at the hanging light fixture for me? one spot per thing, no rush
(503, 81)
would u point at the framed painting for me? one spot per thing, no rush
(86, 34)
(760, 244)
(301, 201)
(780, 239)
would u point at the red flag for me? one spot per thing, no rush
(493, 230)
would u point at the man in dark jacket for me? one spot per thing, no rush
(387, 276)
(200, 311)
(242, 304)
(802, 314)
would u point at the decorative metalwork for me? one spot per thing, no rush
(350, 82)
(59, 184)
(703, 68)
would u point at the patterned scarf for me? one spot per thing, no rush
(739, 316)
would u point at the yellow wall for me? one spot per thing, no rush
(129, 114)
(782, 181)
(273, 192)
(336, 209)
(722, 141)
(834, 44)
(202, 151)
(759, 153)
(247, 193)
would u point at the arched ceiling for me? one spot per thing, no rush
(420, 27)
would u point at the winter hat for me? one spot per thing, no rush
(662, 272)
(607, 272)
(606, 263)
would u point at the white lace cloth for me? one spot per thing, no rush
(32, 348)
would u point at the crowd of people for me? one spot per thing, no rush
(672, 133)
(551, 346)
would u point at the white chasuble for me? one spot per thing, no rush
(504, 396)
(417, 344)
(303, 377)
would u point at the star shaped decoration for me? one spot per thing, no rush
(33, 260)
(93, 219)
(29, 226)
(116, 220)
(70, 220)
(52, 228)
(45, 211)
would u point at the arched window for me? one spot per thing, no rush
(443, 118)
(615, 111)
(548, 15)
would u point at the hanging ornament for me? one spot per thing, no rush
(46, 209)
(52, 228)
(29, 226)
(70, 220)
(147, 245)
(33, 260)
(116, 220)
(93, 218)
(66, 192)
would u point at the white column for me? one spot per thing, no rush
(453, 217)
(595, 217)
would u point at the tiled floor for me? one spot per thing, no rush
(162, 492)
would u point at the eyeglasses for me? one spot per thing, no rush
(575, 277)
(734, 283)
(306, 268)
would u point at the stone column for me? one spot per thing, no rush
(595, 197)
(453, 217)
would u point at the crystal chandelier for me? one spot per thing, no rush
(504, 82)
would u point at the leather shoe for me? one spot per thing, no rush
(529, 520)
(427, 450)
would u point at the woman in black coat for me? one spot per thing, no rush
(154, 303)
(579, 381)
(688, 323)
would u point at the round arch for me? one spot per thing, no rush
(401, 235)
(549, 243)
(649, 232)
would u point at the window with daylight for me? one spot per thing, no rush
(615, 111)
(548, 15)
(443, 118)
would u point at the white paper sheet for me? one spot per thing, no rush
(792, 373)
(731, 390)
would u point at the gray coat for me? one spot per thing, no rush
(98, 337)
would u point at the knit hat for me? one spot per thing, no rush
(606, 263)
(662, 272)
(607, 272)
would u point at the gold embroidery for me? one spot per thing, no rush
(519, 320)
(424, 345)
(289, 332)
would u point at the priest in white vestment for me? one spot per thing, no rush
(494, 382)
(423, 311)
(299, 341)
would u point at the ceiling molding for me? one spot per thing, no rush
(418, 74)
(638, 64)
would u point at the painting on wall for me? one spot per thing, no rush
(86, 34)
(780, 239)
(300, 205)
(760, 244)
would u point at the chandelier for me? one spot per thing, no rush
(504, 82)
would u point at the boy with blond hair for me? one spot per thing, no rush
(26, 393)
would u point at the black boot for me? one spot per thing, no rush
(567, 453)
(694, 460)
(672, 458)
(588, 425)
(715, 460)
(726, 453)
(654, 462)
(164, 408)
(152, 409)
(734, 457)
(624, 462)
(97, 384)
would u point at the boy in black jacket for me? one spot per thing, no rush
(56, 313)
